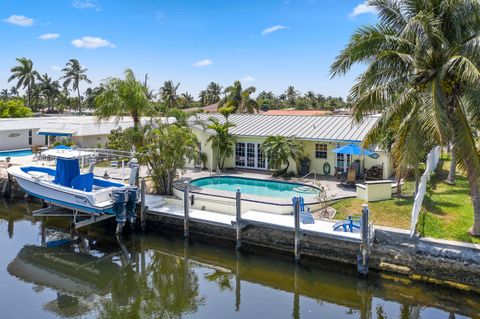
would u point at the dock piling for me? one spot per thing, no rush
(296, 215)
(238, 214)
(186, 212)
(362, 259)
(142, 204)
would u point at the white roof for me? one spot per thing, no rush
(89, 125)
(27, 123)
(321, 128)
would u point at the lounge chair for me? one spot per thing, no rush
(351, 176)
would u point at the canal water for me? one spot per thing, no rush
(49, 271)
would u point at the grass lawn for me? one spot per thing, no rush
(447, 212)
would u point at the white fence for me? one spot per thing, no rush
(432, 161)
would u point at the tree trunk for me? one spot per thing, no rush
(286, 168)
(79, 101)
(475, 193)
(452, 171)
(29, 97)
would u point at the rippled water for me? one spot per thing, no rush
(48, 271)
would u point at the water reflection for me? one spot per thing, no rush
(99, 275)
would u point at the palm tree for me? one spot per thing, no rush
(279, 151)
(423, 73)
(48, 88)
(4, 95)
(239, 99)
(186, 100)
(13, 91)
(203, 97)
(223, 140)
(214, 90)
(168, 94)
(73, 74)
(25, 75)
(123, 96)
(291, 95)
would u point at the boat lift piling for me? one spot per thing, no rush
(238, 218)
(298, 233)
(186, 212)
(362, 259)
(142, 204)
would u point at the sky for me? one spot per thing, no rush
(269, 44)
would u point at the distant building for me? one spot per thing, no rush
(297, 112)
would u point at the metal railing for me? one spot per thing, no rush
(310, 173)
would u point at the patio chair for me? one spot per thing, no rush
(351, 176)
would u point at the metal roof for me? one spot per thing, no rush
(321, 128)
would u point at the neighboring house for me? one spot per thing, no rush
(297, 112)
(318, 134)
(84, 131)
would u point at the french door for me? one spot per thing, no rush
(344, 161)
(250, 155)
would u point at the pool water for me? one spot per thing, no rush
(15, 153)
(255, 186)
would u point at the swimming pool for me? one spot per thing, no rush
(256, 186)
(16, 153)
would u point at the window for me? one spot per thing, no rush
(30, 137)
(321, 150)
(240, 154)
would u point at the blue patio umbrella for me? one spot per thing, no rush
(62, 147)
(352, 149)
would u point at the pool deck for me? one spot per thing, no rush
(156, 205)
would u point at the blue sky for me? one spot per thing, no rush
(269, 43)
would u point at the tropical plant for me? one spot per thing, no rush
(222, 139)
(203, 157)
(73, 74)
(279, 150)
(423, 72)
(226, 111)
(120, 97)
(214, 90)
(4, 95)
(167, 149)
(14, 108)
(168, 94)
(25, 76)
(291, 96)
(240, 99)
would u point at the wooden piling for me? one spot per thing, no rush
(186, 210)
(362, 259)
(238, 214)
(296, 215)
(142, 204)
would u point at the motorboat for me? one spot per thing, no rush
(64, 186)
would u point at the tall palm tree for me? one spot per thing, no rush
(291, 94)
(168, 94)
(25, 76)
(120, 97)
(13, 91)
(222, 140)
(279, 151)
(240, 99)
(73, 74)
(423, 72)
(214, 90)
(48, 88)
(203, 97)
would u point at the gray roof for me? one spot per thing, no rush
(321, 128)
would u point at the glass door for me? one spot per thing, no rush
(240, 154)
(251, 155)
(261, 160)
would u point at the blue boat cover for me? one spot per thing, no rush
(67, 169)
(83, 182)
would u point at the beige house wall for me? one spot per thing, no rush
(316, 164)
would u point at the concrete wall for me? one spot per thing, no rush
(373, 191)
(18, 139)
(91, 141)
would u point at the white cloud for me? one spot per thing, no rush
(56, 68)
(248, 78)
(49, 36)
(92, 43)
(19, 20)
(202, 63)
(86, 4)
(275, 28)
(362, 8)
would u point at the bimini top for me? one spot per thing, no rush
(333, 128)
(66, 153)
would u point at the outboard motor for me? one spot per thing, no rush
(132, 194)
(119, 199)
(133, 164)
